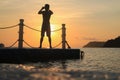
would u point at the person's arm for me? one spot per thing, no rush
(40, 12)
(51, 12)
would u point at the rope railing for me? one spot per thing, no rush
(28, 44)
(21, 24)
(13, 44)
(35, 47)
(57, 45)
(39, 30)
(32, 28)
(56, 30)
(9, 27)
(52, 47)
(68, 45)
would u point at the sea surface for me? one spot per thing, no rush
(97, 64)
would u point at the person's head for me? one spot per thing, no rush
(47, 6)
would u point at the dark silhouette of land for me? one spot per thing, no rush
(113, 43)
(46, 13)
(95, 44)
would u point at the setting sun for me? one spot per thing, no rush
(52, 29)
(56, 33)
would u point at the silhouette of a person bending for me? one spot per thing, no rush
(46, 13)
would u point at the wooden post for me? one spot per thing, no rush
(20, 41)
(63, 36)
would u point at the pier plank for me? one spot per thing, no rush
(23, 55)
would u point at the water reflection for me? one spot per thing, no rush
(64, 65)
(56, 66)
(59, 64)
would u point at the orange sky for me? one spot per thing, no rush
(91, 20)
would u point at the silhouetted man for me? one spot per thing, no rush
(46, 13)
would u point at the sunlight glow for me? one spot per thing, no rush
(90, 19)
(53, 28)
(55, 35)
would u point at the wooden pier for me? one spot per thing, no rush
(25, 55)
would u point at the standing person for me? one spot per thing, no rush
(46, 14)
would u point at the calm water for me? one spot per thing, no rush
(97, 64)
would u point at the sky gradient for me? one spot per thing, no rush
(86, 20)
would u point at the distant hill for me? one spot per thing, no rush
(113, 42)
(95, 44)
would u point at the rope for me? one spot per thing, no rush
(57, 45)
(13, 44)
(39, 30)
(9, 27)
(68, 45)
(56, 30)
(34, 47)
(32, 28)
(28, 44)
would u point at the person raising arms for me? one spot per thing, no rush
(46, 14)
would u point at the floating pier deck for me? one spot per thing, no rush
(24, 55)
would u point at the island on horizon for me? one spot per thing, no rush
(112, 43)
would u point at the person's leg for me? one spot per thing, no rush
(42, 36)
(49, 37)
(49, 41)
(41, 40)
